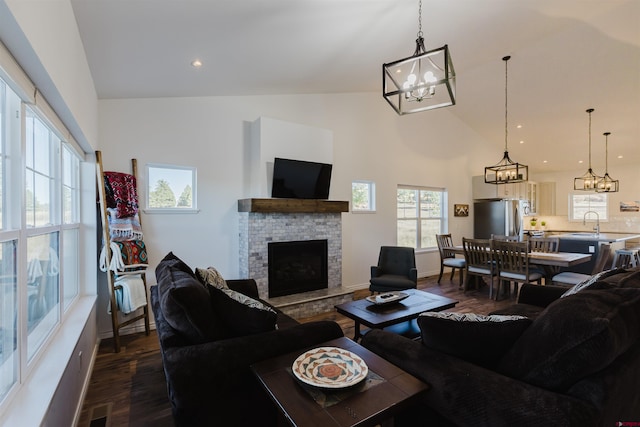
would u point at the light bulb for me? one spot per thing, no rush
(429, 77)
(411, 79)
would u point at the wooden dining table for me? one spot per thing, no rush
(552, 259)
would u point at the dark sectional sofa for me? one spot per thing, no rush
(570, 361)
(208, 342)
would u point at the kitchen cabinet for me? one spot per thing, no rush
(481, 190)
(532, 197)
(547, 198)
(515, 191)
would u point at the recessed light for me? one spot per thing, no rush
(620, 157)
(544, 161)
(519, 126)
(579, 161)
(521, 142)
(196, 63)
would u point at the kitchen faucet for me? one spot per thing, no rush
(597, 227)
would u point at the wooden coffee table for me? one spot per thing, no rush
(393, 391)
(402, 313)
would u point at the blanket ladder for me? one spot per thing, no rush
(117, 322)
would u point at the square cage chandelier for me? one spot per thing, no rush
(423, 81)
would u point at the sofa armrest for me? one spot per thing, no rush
(540, 296)
(196, 371)
(467, 394)
(413, 274)
(247, 287)
(375, 271)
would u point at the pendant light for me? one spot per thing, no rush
(506, 171)
(588, 181)
(423, 81)
(607, 184)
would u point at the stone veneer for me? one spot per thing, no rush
(258, 229)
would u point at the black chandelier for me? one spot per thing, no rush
(423, 81)
(506, 171)
(607, 184)
(589, 181)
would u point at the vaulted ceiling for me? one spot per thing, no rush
(567, 56)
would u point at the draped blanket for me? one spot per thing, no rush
(120, 192)
(130, 294)
(121, 229)
(127, 255)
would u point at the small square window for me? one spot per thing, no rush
(171, 189)
(363, 196)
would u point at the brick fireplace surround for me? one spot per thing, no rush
(281, 220)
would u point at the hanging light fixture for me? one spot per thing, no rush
(588, 181)
(506, 171)
(607, 184)
(423, 81)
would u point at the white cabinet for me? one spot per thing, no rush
(533, 197)
(547, 198)
(481, 190)
(516, 191)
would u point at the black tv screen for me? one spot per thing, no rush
(298, 179)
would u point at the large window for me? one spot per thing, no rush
(422, 213)
(581, 203)
(39, 235)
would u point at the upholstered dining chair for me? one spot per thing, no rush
(448, 257)
(570, 278)
(479, 262)
(512, 262)
(396, 270)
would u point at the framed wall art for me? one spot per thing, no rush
(460, 210)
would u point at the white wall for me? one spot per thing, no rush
(213, 134)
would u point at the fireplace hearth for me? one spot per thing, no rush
(297, 266)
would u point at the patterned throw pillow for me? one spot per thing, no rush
(475, 338)
(211, 276)
(590, 282)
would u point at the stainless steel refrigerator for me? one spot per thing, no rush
(499, 217)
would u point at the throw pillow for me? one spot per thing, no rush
(241, 314)
(186, 307)
(476, 338)
(575, 337)
(590, 282)
(211, 276)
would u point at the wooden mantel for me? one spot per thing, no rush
(276, 205)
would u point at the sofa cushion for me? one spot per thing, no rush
(476, 338)
(241, 314)
(185, 303)
(575, 337)
(211, 276)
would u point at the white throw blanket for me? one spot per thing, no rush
(132, 296)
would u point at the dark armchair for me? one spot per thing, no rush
(396, 270)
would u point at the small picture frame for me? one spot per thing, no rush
(460, 210)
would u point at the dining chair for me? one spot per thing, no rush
(448, 257)
(545, 245)
(625, 258)
(512, 262)
(505, 238)
(570, 278)
(396, 270)
(479, 262)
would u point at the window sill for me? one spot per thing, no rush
(171, 211)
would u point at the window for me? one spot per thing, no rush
(39, 235)
(422, 213)
(363, 196)
(171, 188)
(580, 204)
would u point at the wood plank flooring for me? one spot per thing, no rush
(129, 389)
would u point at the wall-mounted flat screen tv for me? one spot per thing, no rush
(298, 179)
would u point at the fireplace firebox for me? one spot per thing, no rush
(297, 266)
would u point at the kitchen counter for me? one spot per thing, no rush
(601, 237)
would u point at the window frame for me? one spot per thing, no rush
(172, 210)
(443, 218)
(371, 196)
(580, 218)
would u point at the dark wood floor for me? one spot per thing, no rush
(128, 388)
